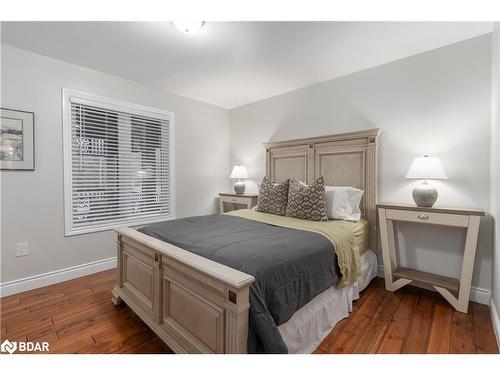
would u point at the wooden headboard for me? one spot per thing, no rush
(349, 159)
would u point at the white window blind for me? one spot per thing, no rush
(118, 164)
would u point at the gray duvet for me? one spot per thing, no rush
(290, 266)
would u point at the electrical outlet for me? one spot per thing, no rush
(22, 249)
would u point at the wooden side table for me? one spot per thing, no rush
(236, 201)
(455, 291)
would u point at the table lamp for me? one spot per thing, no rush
(426, 168)
(239, 172)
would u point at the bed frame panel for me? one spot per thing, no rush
(192, 303)
(348, 159)
(197, 305)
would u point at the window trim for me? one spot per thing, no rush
(110, 104)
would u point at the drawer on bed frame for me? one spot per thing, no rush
(140, 278)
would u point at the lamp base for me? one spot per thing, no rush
(239, 187)
(425, 195)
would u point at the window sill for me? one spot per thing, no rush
(125, 223)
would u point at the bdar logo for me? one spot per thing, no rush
(24, 346)
(9, 347)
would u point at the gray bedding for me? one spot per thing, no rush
(290, 266)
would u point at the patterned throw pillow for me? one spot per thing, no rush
(307, 202)
(272, 197)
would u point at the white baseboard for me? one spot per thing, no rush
(479, 295)
(33, 282)
(495, 319)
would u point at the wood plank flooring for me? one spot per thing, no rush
(77, 316)
(410, 321)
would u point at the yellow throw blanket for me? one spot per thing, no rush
(339, 232)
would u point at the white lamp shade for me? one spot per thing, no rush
(239, 171)
(426, 167)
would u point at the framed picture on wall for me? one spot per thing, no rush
(17, 140)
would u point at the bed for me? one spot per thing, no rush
(204, 301)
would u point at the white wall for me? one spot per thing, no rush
(436, 102)
(32, 202)
(495, 170)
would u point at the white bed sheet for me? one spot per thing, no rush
(307, 328)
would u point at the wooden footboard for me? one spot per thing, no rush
(192, 303)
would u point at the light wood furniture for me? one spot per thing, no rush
(234, 200)
(455, 291)
(349, 159)
(200, 306)
(192, 303)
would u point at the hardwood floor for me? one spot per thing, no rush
(77, 316)
(410, 321)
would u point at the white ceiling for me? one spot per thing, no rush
(230, 64)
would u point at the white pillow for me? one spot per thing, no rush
(342, 202)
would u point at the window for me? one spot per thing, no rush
(118, 161)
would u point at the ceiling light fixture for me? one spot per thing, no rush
(189, 27)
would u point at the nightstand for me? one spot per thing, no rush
(455, 291)
(233, 201)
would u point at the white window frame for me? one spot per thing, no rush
(117, 105)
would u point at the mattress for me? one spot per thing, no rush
(293, 261)
(340, 233)
(290, 266)
(310, 325)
